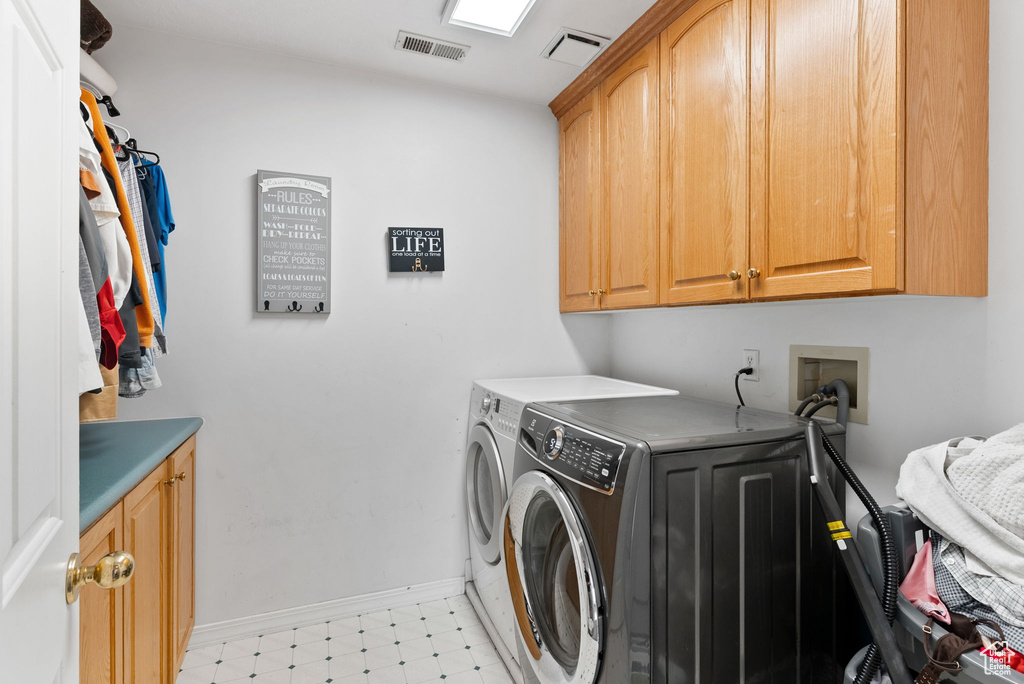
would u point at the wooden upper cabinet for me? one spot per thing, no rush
(704, 153)
(629, 177)
(826, 160)
(579, 250)
(804, 148)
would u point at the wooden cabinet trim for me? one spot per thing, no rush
(947, 48)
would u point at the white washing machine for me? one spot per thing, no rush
(495, 407)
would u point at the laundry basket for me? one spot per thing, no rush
(908, 532)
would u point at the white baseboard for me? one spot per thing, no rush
(229, 630)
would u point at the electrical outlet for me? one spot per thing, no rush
(752, 359)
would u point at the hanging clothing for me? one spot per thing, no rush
(116, 249)
(87, 292)
(111, 327)
(151, 239)
(153, 184)
(130, 354)
(143, 312)
(135, 381)
(88, 370)
(130, 183)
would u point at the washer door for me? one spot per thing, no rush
(485, 492)
(553, 581)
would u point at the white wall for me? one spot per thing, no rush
(940, 367)
(331, 460)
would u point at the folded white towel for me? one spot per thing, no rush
(973, 494)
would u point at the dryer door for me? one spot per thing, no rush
(553, 581)
(485, 492)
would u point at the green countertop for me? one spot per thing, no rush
(114, 457)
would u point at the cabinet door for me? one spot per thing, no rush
(826, 164)
(629, 178)
(705, 155)
(183, 465)
(579, 206)
(146, 596)
(101, 620)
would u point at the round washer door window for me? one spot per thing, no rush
(553, 583)
(485, 492)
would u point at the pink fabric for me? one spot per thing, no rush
(919, 586)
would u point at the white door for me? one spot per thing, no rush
(38, 307)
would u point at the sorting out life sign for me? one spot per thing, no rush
(293, 217)
(415, 250)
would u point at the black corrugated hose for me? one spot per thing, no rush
(890, 558)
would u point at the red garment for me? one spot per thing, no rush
(111, 326)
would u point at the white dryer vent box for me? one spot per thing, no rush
(574, 47)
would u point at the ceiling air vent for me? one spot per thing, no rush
(410, 42)
(574, 47)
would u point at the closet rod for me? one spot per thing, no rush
(94, 77)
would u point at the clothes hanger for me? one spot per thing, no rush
(115, 143)
(117, 127)
(132, 146)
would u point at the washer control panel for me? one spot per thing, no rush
(580, 455)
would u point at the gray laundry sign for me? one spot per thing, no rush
(293, 224)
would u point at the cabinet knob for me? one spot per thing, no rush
(180, 476)
(601, 292)
(172, 481)
(734, 275)
(593, 293)
(753, 273)
(111, 572)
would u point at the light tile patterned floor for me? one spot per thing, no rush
(440, 640)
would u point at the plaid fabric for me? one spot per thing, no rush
(996, 599)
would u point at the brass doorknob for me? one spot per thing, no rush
(753, 273)
(593, 293)
(601, 292)
(180, 476)
(111, 572)
(734, 275)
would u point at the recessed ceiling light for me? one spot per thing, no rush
(494, 16)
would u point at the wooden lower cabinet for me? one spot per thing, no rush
(101, 612)
(183, 596)
(139, 632)
(146, 613)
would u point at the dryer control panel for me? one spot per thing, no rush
(576, 453)
(505, 415)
